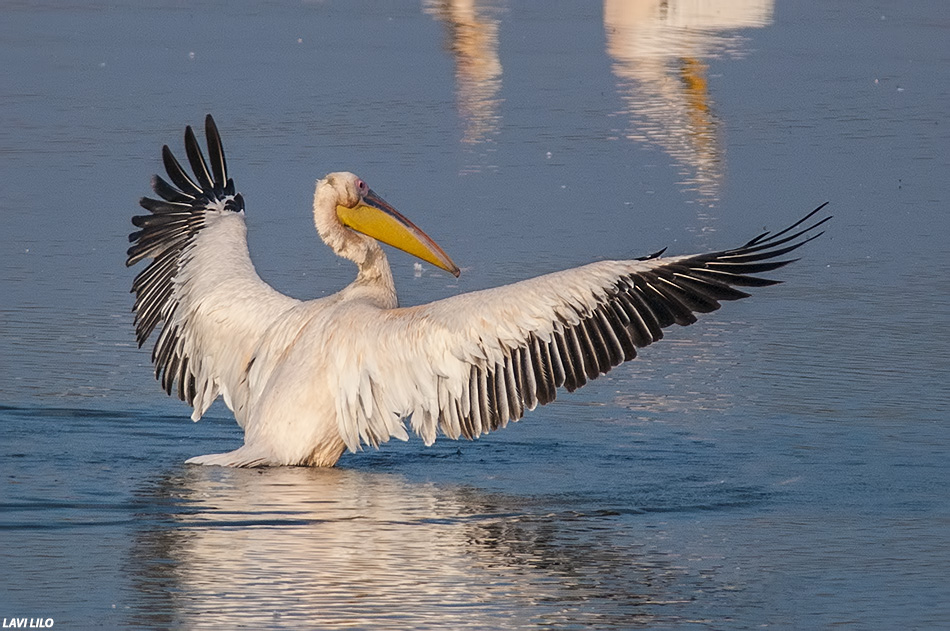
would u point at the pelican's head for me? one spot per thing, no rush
(358, 208)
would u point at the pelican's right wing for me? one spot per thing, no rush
(200, 286)
(468, 364)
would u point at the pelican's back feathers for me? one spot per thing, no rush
(200, 286)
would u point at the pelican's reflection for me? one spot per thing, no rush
(335, 548)
(472, 37)
(658, 48)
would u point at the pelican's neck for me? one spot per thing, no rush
(374, 271)
(373, 265)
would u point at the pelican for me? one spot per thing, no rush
(308, 380)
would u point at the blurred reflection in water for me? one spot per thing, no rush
(335, 548)
(472, 38)
(658, 49)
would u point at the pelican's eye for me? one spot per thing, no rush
(361, 185)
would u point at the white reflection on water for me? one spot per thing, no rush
(334, 548)
(658, 48)
(471, 35)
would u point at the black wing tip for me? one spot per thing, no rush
(759, 255)
(219, 166)
(820, 206)
(236, 204)
(652, 256)
(210, 182)
(185, 194)
(191, 141)
(211, 128)
(804, 219)
(767, 242)
(768, 236)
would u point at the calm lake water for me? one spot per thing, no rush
(782, 464)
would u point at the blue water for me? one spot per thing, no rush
(781, 464)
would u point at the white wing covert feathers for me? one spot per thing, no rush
(308, 379)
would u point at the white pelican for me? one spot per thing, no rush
(307, 380)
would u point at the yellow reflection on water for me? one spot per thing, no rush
(472, 38)
(658, 48)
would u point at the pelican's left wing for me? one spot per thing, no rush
(468, 364)
(201, 287)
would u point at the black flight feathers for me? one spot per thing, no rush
(175, 217)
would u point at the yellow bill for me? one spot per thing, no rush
(375, 218)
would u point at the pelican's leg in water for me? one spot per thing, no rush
(329, 447)
(326, 454)
(246, 456)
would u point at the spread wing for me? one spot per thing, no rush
(469, 364)
(200, 289)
